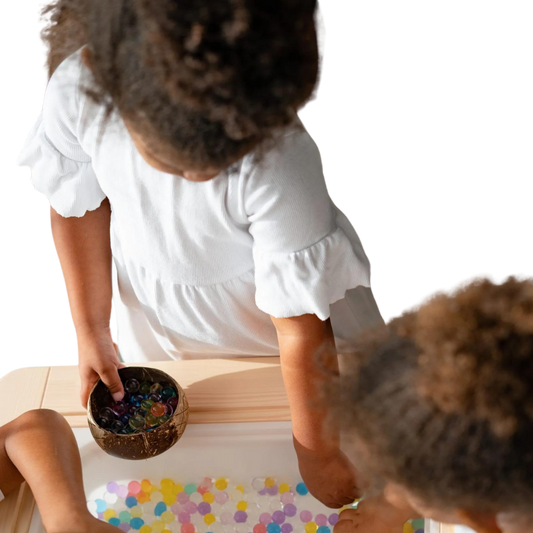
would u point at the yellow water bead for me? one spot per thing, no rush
(209, 497)
(109, 513)
(221, 484)
(269, 482)
(284, 487)
(145, 485)
(136, 512)
(177, 488)
(169, 498)
(167, 517)
(145, 529)
(408, 528)
(242, 506)
(209, 518)
(167, 484)
(158, 526)
(310, 527)
(240, 488)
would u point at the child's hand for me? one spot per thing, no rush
(330, 479)
(98, 359)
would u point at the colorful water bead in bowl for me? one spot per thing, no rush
(146, 406)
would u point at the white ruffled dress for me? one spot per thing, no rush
(201, 266)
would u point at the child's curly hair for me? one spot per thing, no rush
(443, 398)
(212, 78)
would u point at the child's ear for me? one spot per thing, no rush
(480, 522)
(87, 58)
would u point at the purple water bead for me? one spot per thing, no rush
(278, 517)
(306, 516)
(263, 492)
(184, 518)
(112, 487)
(333, 518)
(124, 526)
(286, 528)
(240, 517)
(290, 510)
(204, 508)
(272, 491)
(119, 408)
(265, 518)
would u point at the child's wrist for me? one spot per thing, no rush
(92, 330)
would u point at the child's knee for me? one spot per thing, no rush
(42, 417)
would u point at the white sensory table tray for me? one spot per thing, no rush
(239, 452)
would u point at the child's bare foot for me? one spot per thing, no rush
(373, 515)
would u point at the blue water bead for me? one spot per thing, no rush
(301, 489)
(273, 528)
(101, 506)
(131, 501)
(160, 508)
(323, 529)
(137, 523)
(114, 521)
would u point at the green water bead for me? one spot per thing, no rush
(137, 422)
(151, 420)
(146, 405)
(163, 419)
(156, 388)
(145, 387)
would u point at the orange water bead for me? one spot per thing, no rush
(142, 497)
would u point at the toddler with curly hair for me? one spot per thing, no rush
(439, 406)
(169, 145)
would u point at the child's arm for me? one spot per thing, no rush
(39, 447)
(328, 474)
(84, 250)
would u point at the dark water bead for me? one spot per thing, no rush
(145, 387)
(168, 410)
(104, 422)
(154, 397)
(132, 386)
(173, 402)
(119, 408)
(137, 422)
(167, 392)
(163, 419)
(107, 412)
(117, 426)
(125, 419)
(157, 388)
(131, 409)
(136, 399)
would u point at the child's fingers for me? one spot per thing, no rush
(109, 375)
(344, 526)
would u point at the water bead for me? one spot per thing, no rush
(275, 505)
(323, 529)
(122, 491)
(221, 484)
(190, 507)
(290, 510)
(183, 498)
(167, 517)
(204, 508)
(167, 393)
(265, 518)
(119, 408)
(418, 523)
(287, 497)
(106, 412)
(286, 528)
(156, 388)
(306, 516)
(110, 498)
(117, 426)
(269, 482)
(151, 420)
(209, 519)
(283, 488)
(101, 506)
(195, 497)
(103, 422)
(132, 386)
(124, 526)
(173, 402)
(221, 497)
(169, 411)
(124, 516)
(136, 512)
(131, 501)
(158, 409)
(273, 528)
(263, 492)
(137, 422)
(240, 517)
(114, 521)
(146, 405)
(144, 387)
(301, 489)
(109, 513)
(163, 419)
(333, 518)
(156, 496)
(208, 497)
(258, 484)
(278, 517)
(187, 528)
(310, 527)
(242, 506)
(136, 523)
(112, 487)
(160, 508)
(145, 529)
(184, 517)
(226, 518)
(260, 528)
(158, 526)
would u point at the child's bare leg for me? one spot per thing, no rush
(40, 447)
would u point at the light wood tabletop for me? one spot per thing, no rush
(219, 390)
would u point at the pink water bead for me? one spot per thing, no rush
(177, 508)
(221, 497)
(122, 491)
(265, 518)
(306, 516)
(184, 518)
(183, 498)
(134, 487)
(187, 528)
(287, 497)
(321, 520)
(190, 507)
(226, 518)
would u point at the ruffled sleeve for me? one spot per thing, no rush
(306, 254)
(61, 169)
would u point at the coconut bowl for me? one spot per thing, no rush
(146, 443)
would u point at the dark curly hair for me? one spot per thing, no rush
(442, 398)
(211, 78)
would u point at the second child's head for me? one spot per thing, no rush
(199, 83)
(440, 405)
